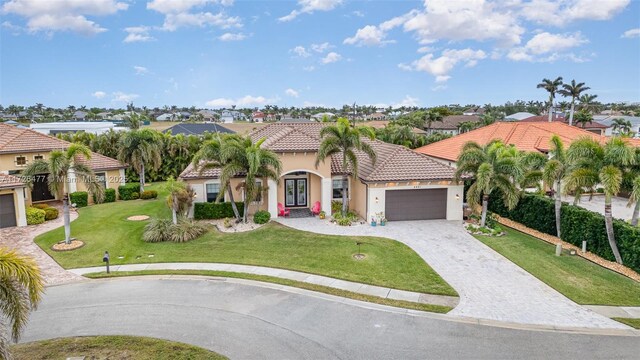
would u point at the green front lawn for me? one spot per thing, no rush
(111, 347)
(634, 323)
(104, 227)
(578, 279)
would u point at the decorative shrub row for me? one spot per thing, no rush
(80, 198)
(261, 217)
(35, 216)
(129, 191)
(50, 213)
(215, 210)
(577, 224)
(109, 196)
(148, 194)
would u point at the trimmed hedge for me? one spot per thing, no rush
(261, 217)
(35, 216)
(209, 210)
(50, 213)
(148, 194)
(129, 191)
(577, 224)
(80, 198)
(40, 206)
(109, 196)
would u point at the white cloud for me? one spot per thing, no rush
(632, 33)
(178, 14)
(232, 37)
(137, 34)
(407, 101)
(442, 65)
(140, 70)
(119, 96)
(99, 94)
(331, 58)
(52, 16)
(309, 6)
(292, 93)
(240, 102)
(542, 44)
(371, 35)
(300, 51)
(320, 48)
(560, 13)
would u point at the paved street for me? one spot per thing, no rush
(619, 207)
(248, 320)
(490, 286)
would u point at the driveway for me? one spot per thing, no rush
(619, 207)
(249, 320)
(489, 285)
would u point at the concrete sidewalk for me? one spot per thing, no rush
(383, 292)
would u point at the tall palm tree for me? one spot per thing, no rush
(551, 86)
(588, 103)
(134, 121)
(635, 198)
(21, 288)
(593, 163)
(343, 139)
(141, 148)
(573, 91)
(554, 171)
(59, 166)
(492, 167)
(621, 126)
(213, 154)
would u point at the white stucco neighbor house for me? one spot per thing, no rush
(54, 128)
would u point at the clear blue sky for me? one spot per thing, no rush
(213, 53)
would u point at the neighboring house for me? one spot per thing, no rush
(377, 116)
(592, 126)
(518, 116)
(20, 147)
(402, 184)
(525, 136)
(258, 116)
(54, 128)
(479, 110)
(381, 124)
(208, 115)
(197, 129)
(184, 115)
(607, 120)
(168, 117)
(287, 119)
(79, 115)
(320, 116)
(451, 124)
(229, 116)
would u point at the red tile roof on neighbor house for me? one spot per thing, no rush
(394, 162)
(15, 141)
(10, 182)
(525, 136)
(543, 118)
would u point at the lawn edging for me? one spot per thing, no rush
(420, 306)
(611, 265)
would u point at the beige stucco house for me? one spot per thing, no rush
(19, 147)
(401, 184)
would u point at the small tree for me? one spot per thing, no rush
(180, 198)
(141, 148)
(554, 171)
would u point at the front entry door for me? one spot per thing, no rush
(295, 192)
(40, 190)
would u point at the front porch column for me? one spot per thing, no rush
(272, 198)
(327, 190)
(22, 215)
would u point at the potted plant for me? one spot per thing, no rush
(322, 214)
(383, 221)
(373, 221)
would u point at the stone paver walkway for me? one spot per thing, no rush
(21, 240)
(490, 286)
(378, 291)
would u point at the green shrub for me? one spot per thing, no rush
(261, 217)
(80, 198)
(343, 221)
(40, 206)
(336, 206)
(50, 213)
(215, 210)
(159, 230)
(227, 223)
(148, 194)
(109, 196)
(35, 216)
(129, 191)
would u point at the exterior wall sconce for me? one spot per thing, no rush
(457, 197)
(376, 199)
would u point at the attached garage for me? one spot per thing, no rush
(7, 211)
(416, 204)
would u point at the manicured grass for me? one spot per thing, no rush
(111, 347)
(578, 279)
(104, 227)
(287, 282)
(634, 323)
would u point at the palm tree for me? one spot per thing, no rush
(572, 90)
(554, 171)
(140, 148)
(635, 198)
(179, 199)
(21, 288)
(583, 117)
(343, 139)
(551, 86)
(214, 154)
(588, 103)
(59, 166)
(621, 126)
(134, 121)
(492, 167)
(593, 163)
(431, 117)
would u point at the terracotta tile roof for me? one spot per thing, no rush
(10, 181)
(526, 136)
(290, 138)
(191, 173)
(543, 118)
(452, 122)
(14, 140)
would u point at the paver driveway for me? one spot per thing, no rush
(490, 286)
